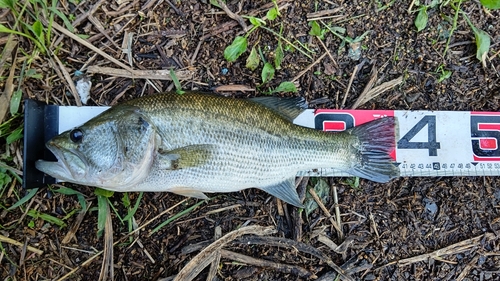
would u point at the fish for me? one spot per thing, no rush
(196, 143)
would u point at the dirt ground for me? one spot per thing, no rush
(440, 228)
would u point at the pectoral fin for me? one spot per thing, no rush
(185, 157)
(185, 191)
(285, 191)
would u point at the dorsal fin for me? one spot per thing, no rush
(289, 108)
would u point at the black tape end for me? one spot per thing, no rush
(41, 123)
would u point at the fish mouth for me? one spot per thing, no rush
(68, 167)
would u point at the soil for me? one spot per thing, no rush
(438, 228)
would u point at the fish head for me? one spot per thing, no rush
(114, 150)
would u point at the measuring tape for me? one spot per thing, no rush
(428, 143)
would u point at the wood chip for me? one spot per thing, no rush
(205, 257)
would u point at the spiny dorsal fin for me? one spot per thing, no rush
(289, 108)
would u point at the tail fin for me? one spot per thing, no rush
(377, 141)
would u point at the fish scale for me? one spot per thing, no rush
(201, 143)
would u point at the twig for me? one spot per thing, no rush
(232, 15)
(69, 80)
(286, 268)
(92, 47)
(327, 51)
(368, 86)
(295, 245)
(162, 74)
(335, 224)
(200, 261)
(375, 92)
(17, 243)
(308, 67)
(449, 250)
(71, 233)
(322, 13)
(356, 69)
(85, 263)
(215, 262)
(374, 225)
(467, 268)
(9, 83)
(337, 212)
(176, 10)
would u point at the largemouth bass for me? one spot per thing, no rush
(196, 143)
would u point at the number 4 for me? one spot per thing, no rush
(431, 144)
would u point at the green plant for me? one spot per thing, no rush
(354, 43)
(422, 16)
(322, 189)
(482, 41)
(129, 218)
(491, 4)
(46, 217)
(481, 37)
(239, 46)
(177, 84)
(353, 183)
(102, 208)
(443, 73)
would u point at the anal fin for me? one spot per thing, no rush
(285, 191)
(188, 192)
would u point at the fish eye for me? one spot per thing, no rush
(76, 135)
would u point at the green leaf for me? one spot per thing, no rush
(267, 73)
(238, 47)
(103, 192)
(33, 74)
(445, 74)
(176, 216)
(15, 135)
(132, 212)
(63, 17)
(315, 29)
(278, 58)
(215, 3)
(482, 44)
(272, 14)
(69, 191)
(25, 199)
(46, 217)
(286, 87)
(38, 29)
(102, 210)
(253, 59)
(125, 200)
(177, 84)
(491, 4)
(15, 101)
(256, 21)
(7, 4)
(422, 18)
(322, 189)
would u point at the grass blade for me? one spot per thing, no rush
(25, 199)
(176, 216)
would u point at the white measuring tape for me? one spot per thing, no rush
(429, 143)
